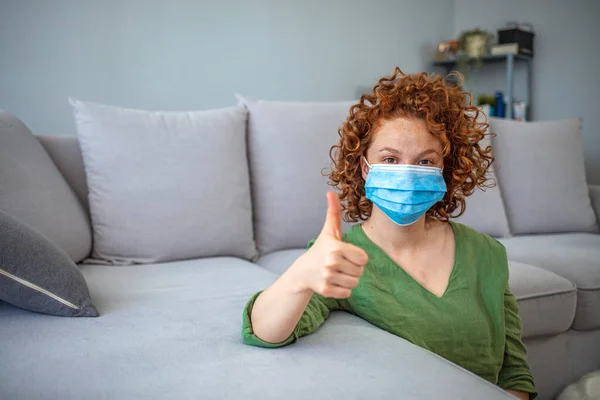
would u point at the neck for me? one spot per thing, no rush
(393, 237)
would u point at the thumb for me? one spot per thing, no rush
(333, 220)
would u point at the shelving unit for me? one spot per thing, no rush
(510, 60)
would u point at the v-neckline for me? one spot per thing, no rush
(399, 267)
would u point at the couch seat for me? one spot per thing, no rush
(547, 302)
(172, 331)
(574, 256)
(279, 261)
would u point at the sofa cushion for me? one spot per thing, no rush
(485, 210)
(173, 331)
(33, 190)
(166, 185)
(66, 154)
(547, 302)
(279, 261)
(541, 171)
(595, 197)
(575, 257)
(288, 148)
(37, 275)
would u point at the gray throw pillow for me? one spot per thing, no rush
(540, 168)
(166, 186)
(33, 190)
(37, 275)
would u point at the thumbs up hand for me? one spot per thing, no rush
(331, 267)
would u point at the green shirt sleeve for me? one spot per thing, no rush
(314, 315)
(515, 374)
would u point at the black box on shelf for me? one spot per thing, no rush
(514, 35)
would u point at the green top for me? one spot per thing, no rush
(474, 324)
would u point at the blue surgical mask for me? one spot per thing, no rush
(404, 192)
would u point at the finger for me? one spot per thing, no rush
(348, 268)
(333, 220)
(342, 280)
(354, 254)
(336, 292)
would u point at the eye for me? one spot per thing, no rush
(389, 160)
(425, 162)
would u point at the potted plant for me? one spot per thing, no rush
(472, 45)
(488, 104)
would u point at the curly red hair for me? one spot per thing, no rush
(449, 115)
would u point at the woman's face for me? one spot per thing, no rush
(404, 141)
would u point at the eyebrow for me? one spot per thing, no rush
(389, 149)
(394, 151)
(427, 152)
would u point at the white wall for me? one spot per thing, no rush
(566, 82)
(193, 54)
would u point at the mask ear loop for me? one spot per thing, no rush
(368, 165)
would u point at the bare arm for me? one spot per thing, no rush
(330, 268)
(519, 395)
(278, 309)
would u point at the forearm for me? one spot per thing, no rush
(278, 309)
(519, 395)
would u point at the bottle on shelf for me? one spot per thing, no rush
(499, 104)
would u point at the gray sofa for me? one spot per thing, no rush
(172, 330)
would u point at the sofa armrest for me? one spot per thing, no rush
(595, 197)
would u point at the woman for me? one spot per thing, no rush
(408, 156)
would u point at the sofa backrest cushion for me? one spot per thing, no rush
(540, 168)
(33, 190)
(66, 154)
(166, 185)
(288, 149)
(485, 209)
